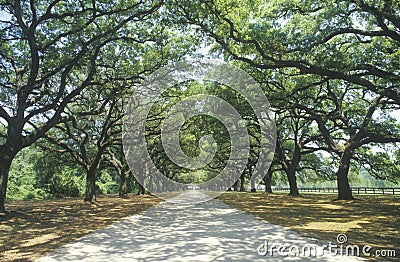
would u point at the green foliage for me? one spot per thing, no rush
(329, 68)
(197, 127)
(107, 183)
(38, 174)
(195, 177)
(22, 179)
(65, 184)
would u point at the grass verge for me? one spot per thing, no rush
(368, 220)
(33, 228)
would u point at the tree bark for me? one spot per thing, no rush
(252, 185)
(290, 166)
(5, 164)
(291, 175)
(235, 185)
(291, 170)
(267, 181)
(123, 185)
(242, 189)
(344, 190)
(141, 190)
(90, 185)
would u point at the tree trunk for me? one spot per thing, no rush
(90, 185)
(235, 185)
(267, 181)
(5, 164)
(242, 189)
(252, 185)
(123, 185)
(291, 170)
(291, 175)
(344, 190)
(141, 190)
(142, 176)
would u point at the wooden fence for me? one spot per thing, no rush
(356, 190)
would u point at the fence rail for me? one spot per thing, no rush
(356, 190)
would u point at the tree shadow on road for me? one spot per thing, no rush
(33, 228)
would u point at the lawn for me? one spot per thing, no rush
(33, 228)
(368, 220)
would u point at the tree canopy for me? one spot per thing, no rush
(330, 70)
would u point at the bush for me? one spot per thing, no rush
(64, 184)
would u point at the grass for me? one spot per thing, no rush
(368, 220)
(33, 228)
